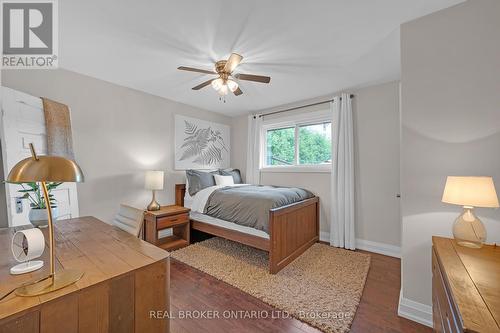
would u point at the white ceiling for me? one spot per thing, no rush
(309, 48)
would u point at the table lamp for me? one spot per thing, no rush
(470, 192)
(47, 169)
(153, 181)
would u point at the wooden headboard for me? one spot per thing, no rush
(180, 191)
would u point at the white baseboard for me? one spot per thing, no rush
(366, 245)
(421, 313)
(380, 248)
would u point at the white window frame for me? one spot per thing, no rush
(297, 120)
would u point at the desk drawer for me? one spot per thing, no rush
(170, 221)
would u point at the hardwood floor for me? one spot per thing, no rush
(195, 290)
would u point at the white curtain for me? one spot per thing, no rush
(342, 181)
(253, 149)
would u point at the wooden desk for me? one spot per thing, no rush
(465, 287)
(174, 217)
(125, 278)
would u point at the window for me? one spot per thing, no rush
(300, 145)
(280, 144)
(315, 144)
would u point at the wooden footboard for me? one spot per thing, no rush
(293, 229)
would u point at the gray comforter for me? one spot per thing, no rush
(249, 205)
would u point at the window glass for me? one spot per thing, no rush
(315, 143)
(280, 146)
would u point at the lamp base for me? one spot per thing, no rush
(468, 230)
(60, 280)
(153, 205)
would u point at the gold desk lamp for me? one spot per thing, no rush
(47, 169)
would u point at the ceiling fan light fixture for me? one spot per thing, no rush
(225, 69)
(217, 84)
(232, 85)
(223, 90)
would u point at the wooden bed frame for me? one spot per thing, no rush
(292, 230)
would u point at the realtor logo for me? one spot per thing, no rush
(29, 36)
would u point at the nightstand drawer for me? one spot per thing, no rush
(170, 221)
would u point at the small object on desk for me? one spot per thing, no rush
(153, 181)
(27, 245)
(174, 217)
(470, 192)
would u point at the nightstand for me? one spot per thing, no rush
(175, 218)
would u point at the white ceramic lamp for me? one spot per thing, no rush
(154, 181)
(470, 192)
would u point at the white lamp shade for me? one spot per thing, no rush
(470, 191)
(153, 180)
(232, 85)
(223, 90)
(217, 83)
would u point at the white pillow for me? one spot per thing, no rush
(224, 180)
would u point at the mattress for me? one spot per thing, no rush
(197, 202)
(226, 224)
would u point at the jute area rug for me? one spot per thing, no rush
(322, 287)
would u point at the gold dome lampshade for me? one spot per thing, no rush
(47, 169)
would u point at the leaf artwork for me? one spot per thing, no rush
(204, 145)
(190, 128)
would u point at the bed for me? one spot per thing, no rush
(292, 229)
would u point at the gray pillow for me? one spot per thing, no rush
(232, 172)
(198, 180)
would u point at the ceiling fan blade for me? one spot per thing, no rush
(255, 78)
(237, 92)
(191, 69)
(233, 61)
(202, 85)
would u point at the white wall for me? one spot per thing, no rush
(450, 126)
(118, 133)
(376, 122)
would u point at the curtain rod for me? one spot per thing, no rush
(299, 107)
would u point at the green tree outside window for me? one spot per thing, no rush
(314, 145)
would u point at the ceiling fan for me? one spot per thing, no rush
(224, 69)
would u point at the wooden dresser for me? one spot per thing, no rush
(465, 287)
(125, 278)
